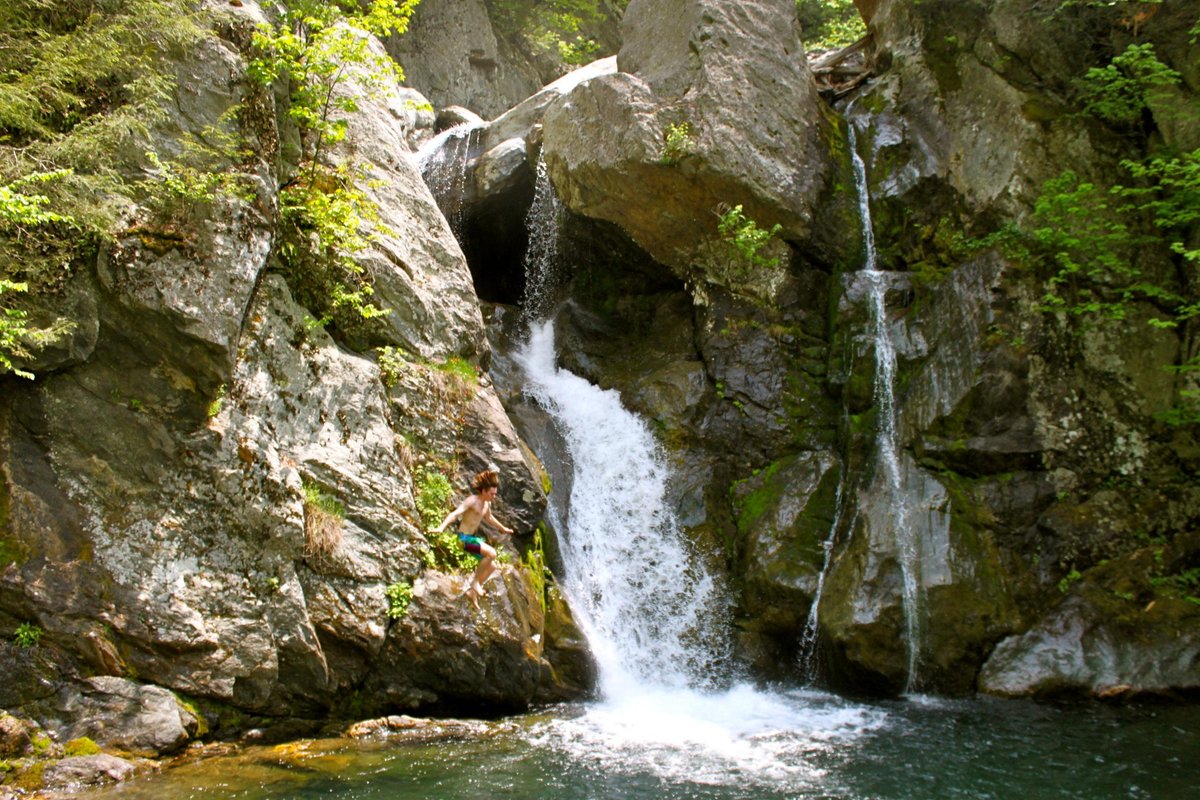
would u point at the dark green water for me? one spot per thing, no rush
(755, 745)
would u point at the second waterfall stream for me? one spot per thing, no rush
(656, 619)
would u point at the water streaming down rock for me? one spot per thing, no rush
(443, 162)
(651, 612)
(653, 615)
(657, 621)
(810, 638)
(542, 274)
(886, 501)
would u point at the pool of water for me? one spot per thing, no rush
(741, 743)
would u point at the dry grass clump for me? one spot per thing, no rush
(323, 516)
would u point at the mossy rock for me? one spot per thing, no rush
(784, 515)
(82, 746)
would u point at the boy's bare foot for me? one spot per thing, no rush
(477, 588)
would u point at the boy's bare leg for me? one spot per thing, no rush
(485, 569)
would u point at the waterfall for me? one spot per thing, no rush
(812, 626)
(895, 507)
(541, 253)
(657, 621)
(652, 614)
(443, 163)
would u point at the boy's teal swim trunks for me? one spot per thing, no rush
(470, 543)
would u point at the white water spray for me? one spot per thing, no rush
(888, 477)
(541, 253)
(656, 619)
(653, 615)
(443, 163)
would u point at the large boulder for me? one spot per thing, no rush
(439, 655)
(417, 268)
(1116, 633)
(123, 715)
(785, 514)
(1081, 651)
(521, 119)
(712, 67)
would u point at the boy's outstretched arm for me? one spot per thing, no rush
(453, 515)
(497, 524)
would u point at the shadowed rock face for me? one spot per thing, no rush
(1003, 413)
(451, 53)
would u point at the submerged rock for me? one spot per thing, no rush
(418, 729)
(81, 771)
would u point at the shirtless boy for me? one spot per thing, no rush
(475, 509)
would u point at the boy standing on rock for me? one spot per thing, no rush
(475, 509)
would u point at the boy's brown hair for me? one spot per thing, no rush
(487, 479)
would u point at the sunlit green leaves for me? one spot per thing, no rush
(827, 24)
(21, 210)
(555, 27)
(1094, 238)
(1120, 91)
(746, 238)
(319, 47)
(65, 63)
(323, 51)
(20, 213)
(1089, 240)
(81, 81)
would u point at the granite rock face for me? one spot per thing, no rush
(452, 55)
(164, 480)
(1026, 445)
(161, 482)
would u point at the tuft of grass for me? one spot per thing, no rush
(460, 368)
(27, 635)
(323, 517)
